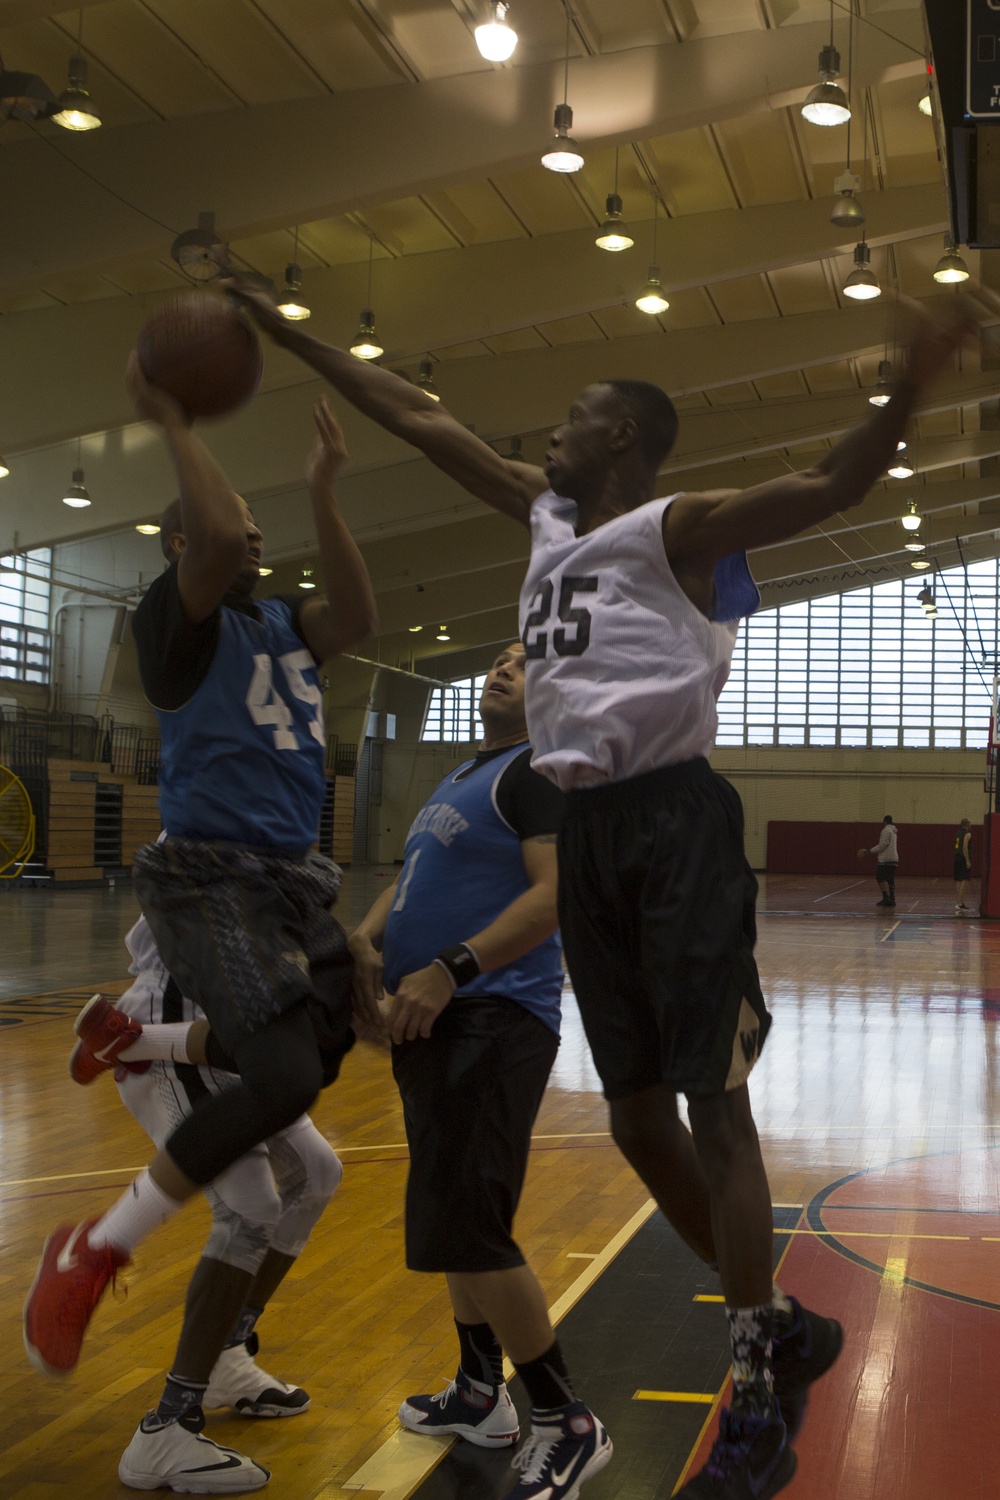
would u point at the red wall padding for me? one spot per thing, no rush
(832, 848)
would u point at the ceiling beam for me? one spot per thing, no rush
(435, 301)
(300, 160)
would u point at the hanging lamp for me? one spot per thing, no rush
(366, 345)
(564, 155)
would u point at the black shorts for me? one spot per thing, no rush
(962, 871)
(656, 908)
(241, 929)
(470, 1092)
(885, 874)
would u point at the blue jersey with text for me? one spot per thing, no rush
(463, 867)
(243, 760)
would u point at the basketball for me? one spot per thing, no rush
(862, 853)
(203, 353)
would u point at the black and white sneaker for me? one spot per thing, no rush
(482, 1414)
(238, 1381)
(174, 1456)
(564, 1449)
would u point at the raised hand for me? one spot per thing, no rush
(152, 402)
(329, 452)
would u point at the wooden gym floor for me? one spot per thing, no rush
(876, 1101)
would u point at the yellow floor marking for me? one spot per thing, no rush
(67, 1176)
(406, 1458)
(581, 1254)
(865, 1234)
(706, 1297)
(694, 1398)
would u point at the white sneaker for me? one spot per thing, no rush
(237, 1381)
(173, 1455)
(479, 1413)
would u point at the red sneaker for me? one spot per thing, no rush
(104, 1031)
(67, 1287)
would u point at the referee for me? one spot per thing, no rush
(466, 943)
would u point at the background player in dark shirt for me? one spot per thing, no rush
(467, 939)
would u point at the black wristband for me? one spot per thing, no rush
(460, 963)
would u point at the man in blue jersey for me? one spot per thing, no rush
(238, 906)
(465, 943)
(629, 616)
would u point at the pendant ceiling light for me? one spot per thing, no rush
(76, 112)
(882, 394)
(848, 212)
(920, 564)
(366, 345)
(651, 299)
(306, 581)
(910, 521)
(291, 304)
(862, 284)
(200, 252)
(425, 378)
(75, 494)
(951, 268)
(496, 40)
(148, 528)
(914, 547)
(613, 234)
(901, 468)
(564, 155)
(4, 467)
(827, 104)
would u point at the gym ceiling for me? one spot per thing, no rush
(363, 123)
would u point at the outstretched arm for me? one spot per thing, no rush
(213, 517)
(406, 411)
(698, 530)
(347, 613)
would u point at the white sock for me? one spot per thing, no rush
(142, 1207)
(163, 1041)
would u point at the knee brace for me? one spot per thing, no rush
(308, 1172)
(246, 1210)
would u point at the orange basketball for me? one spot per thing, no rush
(862, 853)
(203, 353)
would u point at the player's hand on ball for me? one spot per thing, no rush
(862, 853)
(329, 453)
(420, 999)
(152, 403)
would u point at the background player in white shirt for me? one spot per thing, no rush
(264, 1208)
(628, 620)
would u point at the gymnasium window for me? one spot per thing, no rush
(868, 667)
(25, 595)
(451, 713)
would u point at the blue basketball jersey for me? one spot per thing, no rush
(463, 867)
(243, 759)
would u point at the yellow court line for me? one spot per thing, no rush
(706, 1297)
(406, 1458)
(866, 1234)
(67, 1176)
(694, 1398)
(581, 1254)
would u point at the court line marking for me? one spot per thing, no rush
(709, 1297)
(869, 1234)
(567, 1135)
(406, 1458)
(694, 1398)
(582, 1254)
(889, 934)
(838, 891)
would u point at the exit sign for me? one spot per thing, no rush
(982, 100)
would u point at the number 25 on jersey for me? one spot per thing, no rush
(571, 641)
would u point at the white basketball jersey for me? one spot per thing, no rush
(623, 671)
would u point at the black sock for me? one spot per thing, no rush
(546, 1380)
(179, 1396)
(481, 1357)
